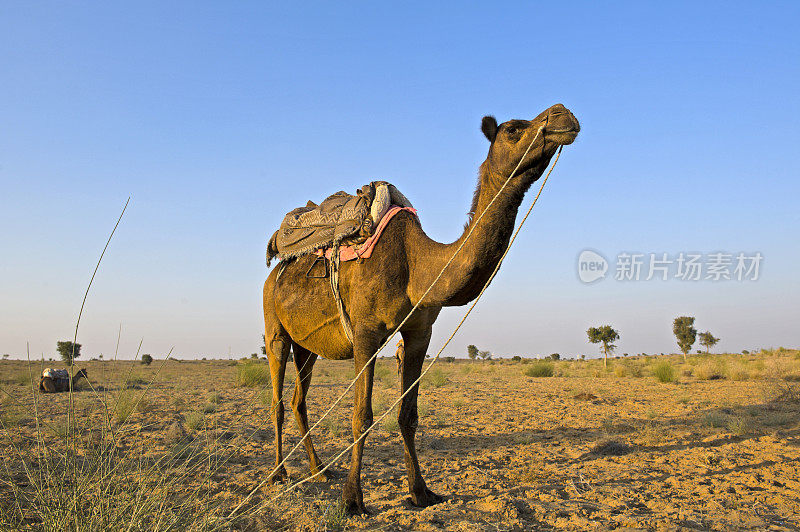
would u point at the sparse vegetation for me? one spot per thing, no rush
(194, 418)
(664, 372)
(252, 374)
(711, 370)
(436, 377)
(539, 369)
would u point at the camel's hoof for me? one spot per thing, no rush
(321, 476)
(428, 498)
(279, 476)
(353, 508)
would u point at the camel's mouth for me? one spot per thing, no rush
(561, 127)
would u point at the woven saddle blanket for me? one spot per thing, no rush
(341, 219)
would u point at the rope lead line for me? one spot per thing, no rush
(389, 338)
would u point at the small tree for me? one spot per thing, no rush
(472, 352)
(555, 356)
(68, 351)
(263, 346)
(147, 359)
(684, 331)
(485, 355)
(605, 335)
(707, 340)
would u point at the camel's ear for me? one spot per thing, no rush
(489, 127)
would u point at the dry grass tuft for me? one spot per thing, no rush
(611, 447)
(252, 374)
(711, 370)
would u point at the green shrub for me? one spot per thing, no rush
(252, 374)
(147, 359)
(664, 372)
(539, 369)
(436, 378)
(516, 358)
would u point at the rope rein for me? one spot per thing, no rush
(408, 316)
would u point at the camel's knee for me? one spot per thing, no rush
(408, 418)
(362, 421)
(299, 408)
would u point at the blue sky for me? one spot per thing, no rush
(217, 118)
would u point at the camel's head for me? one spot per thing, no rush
(82, 373)
(511, 139)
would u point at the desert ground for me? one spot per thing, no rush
(649, 443)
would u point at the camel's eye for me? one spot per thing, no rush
(511, 130)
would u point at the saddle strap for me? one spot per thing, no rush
(343, 317)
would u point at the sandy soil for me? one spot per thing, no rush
(584, 450)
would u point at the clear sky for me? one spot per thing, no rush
(217, 118)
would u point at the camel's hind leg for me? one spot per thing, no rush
(47, 385)
(416, 345)
(304, 362)
(277, 342)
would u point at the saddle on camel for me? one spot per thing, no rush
(343, 227)
(57, 380)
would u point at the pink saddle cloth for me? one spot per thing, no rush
(364, 251)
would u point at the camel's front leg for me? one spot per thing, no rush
(416, 345)
(364, 346)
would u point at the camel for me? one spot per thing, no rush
(48, 384)
(379, 292)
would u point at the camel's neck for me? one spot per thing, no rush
(480, 251)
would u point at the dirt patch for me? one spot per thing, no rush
(508, 452)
